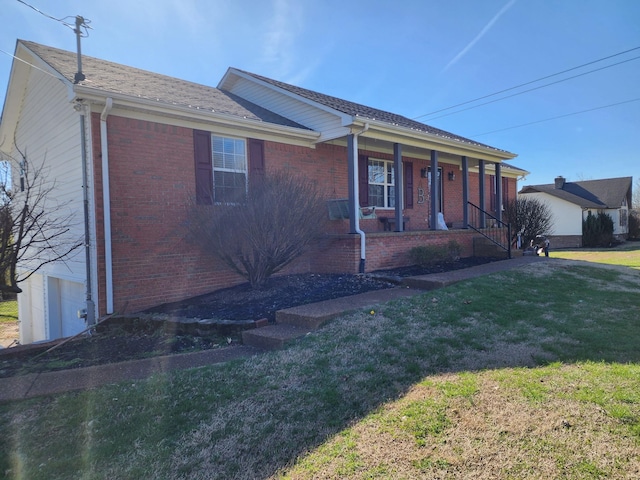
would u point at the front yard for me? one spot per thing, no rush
(533, 373)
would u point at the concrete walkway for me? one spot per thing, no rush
(290, 324)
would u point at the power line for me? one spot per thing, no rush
(30, 64)
(85, 22)
(555, 118)
(528, 83)
(534, 88)
(61, 20)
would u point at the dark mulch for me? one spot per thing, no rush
(143, 338)
(243, 303)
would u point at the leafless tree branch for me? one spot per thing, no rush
(34, 226)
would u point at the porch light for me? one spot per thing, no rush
(451, 175)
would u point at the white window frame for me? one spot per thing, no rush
(389, 182)
(243, 168)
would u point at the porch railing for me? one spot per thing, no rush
(497, 231)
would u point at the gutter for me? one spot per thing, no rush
(422, 139)
(193, 114)
(356, 199)
(106, 204)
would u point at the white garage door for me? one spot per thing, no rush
(65, 299)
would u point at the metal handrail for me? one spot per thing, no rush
(498, 232)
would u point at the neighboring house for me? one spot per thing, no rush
(154, 145)
(571, 203)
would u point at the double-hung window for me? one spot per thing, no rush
(224, 167)
(229, 169)
(381, 183)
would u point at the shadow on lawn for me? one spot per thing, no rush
(290, 402)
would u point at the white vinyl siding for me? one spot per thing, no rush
(318, 119)
(49, 132)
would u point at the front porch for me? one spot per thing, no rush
(340, 253)
(381, 242)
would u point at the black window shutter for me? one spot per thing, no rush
(408, 184)
(363, 180)
(256, 161)
(204, 167)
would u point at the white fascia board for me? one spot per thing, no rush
(188, 116)
(403, 135)
(345, 119)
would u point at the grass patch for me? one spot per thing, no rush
(627, 254)
(526, 374)
(9, 311)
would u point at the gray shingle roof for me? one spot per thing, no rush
(605, 193)
(111, 77)
(358, 110)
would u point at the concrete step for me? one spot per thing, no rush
(296, 322)
(272, 337)
(314, 315)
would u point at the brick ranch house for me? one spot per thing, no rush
(153, 144)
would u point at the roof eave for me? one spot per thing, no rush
(195, 114)
(403, 135)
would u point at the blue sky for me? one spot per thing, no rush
(410, 57)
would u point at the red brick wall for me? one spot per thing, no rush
(383, 250)
(152, 184)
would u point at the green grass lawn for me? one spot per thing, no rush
(627, 254)
(9, 311)
(528, 374)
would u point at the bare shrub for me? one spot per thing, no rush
(275, 223)
(530, 217)
(34, 227)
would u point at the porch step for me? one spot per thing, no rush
(295, 322)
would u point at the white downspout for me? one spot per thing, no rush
(356, 199)
(106, 204)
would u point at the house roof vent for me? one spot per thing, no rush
(559, 181)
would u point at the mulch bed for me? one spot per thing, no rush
(142, 337)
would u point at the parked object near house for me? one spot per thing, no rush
(571, 203)
(151, 146)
